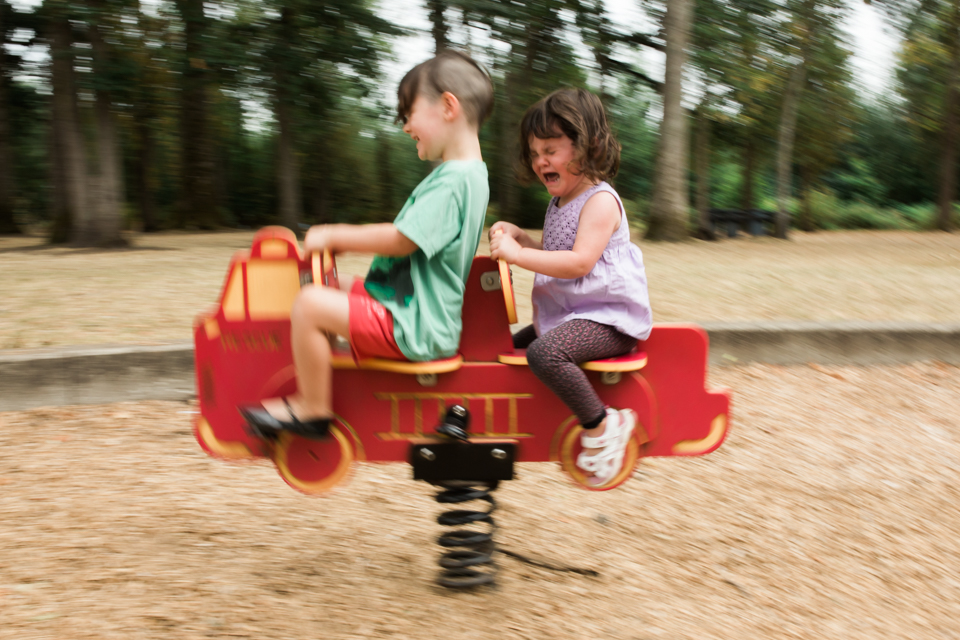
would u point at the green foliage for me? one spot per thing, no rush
(872, 166)
(726, 179)
(638, 137)
(828, 102)
(830, 212)
(27, 110)
(924, 66)
(857, 182)
(893, 159)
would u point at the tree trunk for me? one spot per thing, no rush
(506, 175)
(439, 30)
(288, 167)
(746, 182)
(7, 223)
(144, 124)
(103, 225)
(948, 152)
(805, 222)
(668, 208)
(385, 178)
(702, 170)
(145, 181)
(465, 25)
(69, 164)
(321, 201)
(788, 129)
(788, 118)
(199, 205)
(105, 221)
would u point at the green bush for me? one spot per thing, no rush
(922, 216)
(860, 215)
(830, 212)
(636, 209)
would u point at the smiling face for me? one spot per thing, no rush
(553, 160)
(426, 124)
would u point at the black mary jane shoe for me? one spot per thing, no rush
(266, 427)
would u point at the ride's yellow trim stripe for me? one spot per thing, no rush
(232, 304)
(340, 361)
(272, 286)
(692, 447)
(212, 328)
(593, 365)
(222, 448)
(600, 365)
(274, 249)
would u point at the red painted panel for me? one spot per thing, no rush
(486, 332)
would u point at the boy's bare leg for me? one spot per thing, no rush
(346, 283)
(316, 311)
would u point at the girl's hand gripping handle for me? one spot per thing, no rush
(506, 283)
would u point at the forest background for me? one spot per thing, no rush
(139, 117)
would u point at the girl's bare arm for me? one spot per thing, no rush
(518, 234)
(599, 218)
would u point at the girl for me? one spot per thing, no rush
(590, 291)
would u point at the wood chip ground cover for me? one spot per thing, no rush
(830, 512)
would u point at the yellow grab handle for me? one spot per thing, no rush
(506, 284)
(317, 263)
(316, 268)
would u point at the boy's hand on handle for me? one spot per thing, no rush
(318, 246)
(503, 246)
(318, 238)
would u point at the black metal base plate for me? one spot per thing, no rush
(476, 460)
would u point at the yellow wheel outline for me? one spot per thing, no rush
(358, 449)
(718, 427)
(569, 463)
(347, 457)
(555, 443)
(229, 450)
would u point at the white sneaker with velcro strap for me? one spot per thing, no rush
(604, 465)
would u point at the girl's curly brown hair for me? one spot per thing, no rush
(579, 114)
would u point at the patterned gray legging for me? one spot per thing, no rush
(554, 356)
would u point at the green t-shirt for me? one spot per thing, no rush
(424, 291)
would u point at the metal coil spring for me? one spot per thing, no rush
(470, 563)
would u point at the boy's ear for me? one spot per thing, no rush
(451, 106)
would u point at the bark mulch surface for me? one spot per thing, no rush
(830, 512)
(151, 292)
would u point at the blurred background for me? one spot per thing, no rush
(126, 115)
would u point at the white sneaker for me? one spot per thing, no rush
(605, 464)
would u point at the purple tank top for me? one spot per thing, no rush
(613, 293)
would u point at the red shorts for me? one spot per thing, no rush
(371, 327)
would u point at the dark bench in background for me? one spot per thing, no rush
(756, 222)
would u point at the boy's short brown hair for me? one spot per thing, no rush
(579, 114)
(451, 71)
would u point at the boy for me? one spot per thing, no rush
(409, 306)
